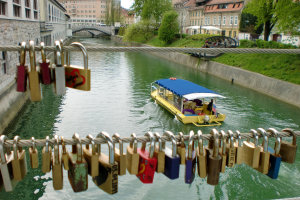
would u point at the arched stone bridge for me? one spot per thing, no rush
(91, 28)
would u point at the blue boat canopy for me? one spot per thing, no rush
(187, 89)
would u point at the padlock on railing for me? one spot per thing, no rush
(264, 162)
(46, 157)
(288, 150)
(275, 158)
(33, 155)
(78, 168)
(64, 155)
(147, 163)
(181, 149)
(57, 172)
(239, 149)
(201, 156)
(6, 166)
(45, 71)
(107, 180)
(91, 156)
(190, 161)
(120, 157)
(214, 161)
(159, 154)
(76, 77)
(172, 159)
(252, 151)
(19, 163)
(231, 150)
(222, 152)
(34, 79)
(22, 70)
(59, 71)
(132, 156)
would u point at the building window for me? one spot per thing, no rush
(231, 20)
(219, 20)
(27, 13)
(27, 3)
(215, 20)
(205, 20)
(224, 20)
(3, 61)
(3, 8)
(35, 15)
(208, 21)
(17, 11)
(235, 20)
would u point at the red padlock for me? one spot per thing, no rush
(45, 72)
(147, 163)
(22, 70)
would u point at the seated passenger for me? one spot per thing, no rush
(210, 105)
(198, 102)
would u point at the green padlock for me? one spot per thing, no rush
(78, 168)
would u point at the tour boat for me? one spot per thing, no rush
(187, 101)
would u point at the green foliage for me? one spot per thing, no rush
(248, 24)
(264, 44)
(139, 32)
(201, 36)
(281, 66)
(169, 27)
(122, 31)
(151, 9)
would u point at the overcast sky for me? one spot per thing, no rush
(126, 3)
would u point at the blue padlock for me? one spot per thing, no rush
(172, 159)
(190, 161)
(275, 158)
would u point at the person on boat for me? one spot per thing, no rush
(210, 105)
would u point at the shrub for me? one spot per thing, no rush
(169, 27)
(247, 44)
(139, 32)
(201, 36)
(122, 30)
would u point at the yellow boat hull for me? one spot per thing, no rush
(197, 120)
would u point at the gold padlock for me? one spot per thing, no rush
(46, 157)
(181, 149)
(120, 157)
(201, 154)
(252, 151)
(19, 164)
(34, 155)
(132, 156)
(76, 77)
(34, 81)
(264, 154)
(231, 150)
(223, 153)
(91, 156)
(57, 172)
(288, 150)
(239, 149)
(159, 154)
(64, 155)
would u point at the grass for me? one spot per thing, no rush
(184, 42)
(281, 66)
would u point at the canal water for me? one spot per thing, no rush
(119, 102)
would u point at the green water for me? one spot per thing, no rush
(119, 101)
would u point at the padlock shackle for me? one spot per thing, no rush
(33, 144)
(200, 143)
(84, 53)
(173, 139)
(158, 138)
(47, 144)
(223, 136)
(191, 145)
(23, 54)
(277, 142)
(133, 143)
(230, 133)
(290, 131)
(57, 54)
(265, 138)
(63, 146)
(182, 144)
(215, 135)
(238, 133)
(32, 56)
(2, 151)
(78, 147)
(92, 140)
(56, 149)
(117, 137)
(44, 60)
(15, 146)
(110, 144)
(152, 144)
(255, 136)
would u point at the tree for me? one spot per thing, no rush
(274, 12)
(169, 27)
(248, 24)
(149, 9)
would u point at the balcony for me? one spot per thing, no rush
(46, 27)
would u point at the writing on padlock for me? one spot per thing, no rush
(77, 77)
(107, 180)
(22, 70)
(190, 161)
(275, 158)
(45, 71)
(147, 163)
(132, 156)
(172, 159)
(78, 169)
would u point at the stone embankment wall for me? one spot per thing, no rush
(281, 90)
